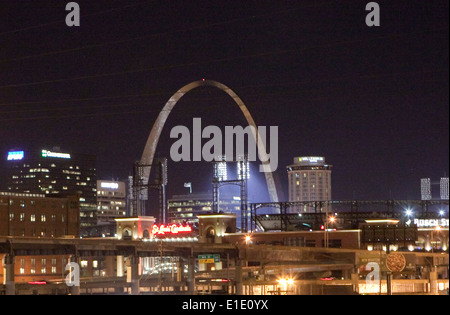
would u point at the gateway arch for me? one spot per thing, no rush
(152, 141)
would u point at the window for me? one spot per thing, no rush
(33, 218)
(43, 218)
(333, 243)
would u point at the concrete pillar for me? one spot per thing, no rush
(120, 269)
(238, 282)
(9, 275)
(355, 282)
(133, 274)
(191, 275)
(433, 283)
(180, 270)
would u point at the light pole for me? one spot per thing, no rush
(331, 219)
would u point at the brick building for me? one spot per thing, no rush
(37, 216)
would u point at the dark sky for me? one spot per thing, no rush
(373, 100)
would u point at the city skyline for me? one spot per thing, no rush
(373, 101)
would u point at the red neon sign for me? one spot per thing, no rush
(37, 282)
(170, 229)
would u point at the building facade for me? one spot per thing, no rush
(36, 216)
(309, 179)
(111, 201)
(186, 208)
(55, 173)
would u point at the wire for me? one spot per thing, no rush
(226, 59)
(157, 111)
(59, 21)
(182, 30)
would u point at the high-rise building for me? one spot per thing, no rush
(111, 201)
(425, 188)
(309, 180)
(444, 188)
(55, 173)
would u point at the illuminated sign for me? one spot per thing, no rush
(15, 155)
(170, 229)
(58, 155)
(109, 185)
(311, 159)
(431, 222)
(208, 259)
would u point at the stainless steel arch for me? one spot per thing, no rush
(152, 141)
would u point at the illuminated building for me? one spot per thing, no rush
(111, 201)
(55, 173)
(425, 189)
(309, 180)
(36, 216)
(186, 208)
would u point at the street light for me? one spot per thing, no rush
(331, 219)
(248, 239)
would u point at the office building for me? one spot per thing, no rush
(37, 216)
(111, 201)
(55, 173)
(34, 215)
(309, 180)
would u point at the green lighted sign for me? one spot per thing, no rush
(208, 259)
(58, 155)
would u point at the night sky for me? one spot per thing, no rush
(374, 101)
